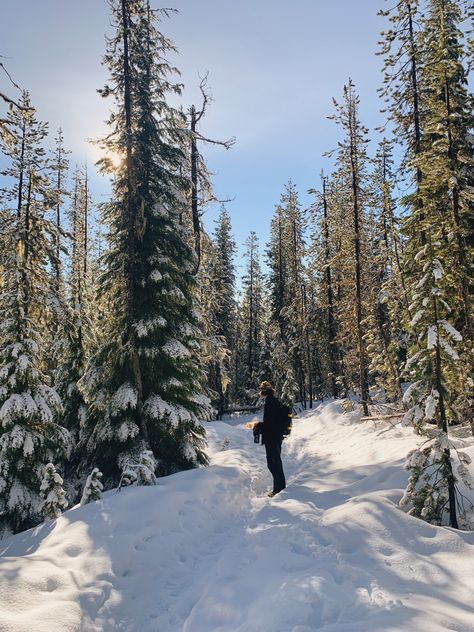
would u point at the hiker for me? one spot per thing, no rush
(273, 428)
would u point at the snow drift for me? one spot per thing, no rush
(206, 551)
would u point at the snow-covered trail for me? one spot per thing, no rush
(206, 551)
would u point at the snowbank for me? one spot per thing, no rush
(206, 551)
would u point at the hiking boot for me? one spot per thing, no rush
(274, 492)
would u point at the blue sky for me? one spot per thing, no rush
(273, 66)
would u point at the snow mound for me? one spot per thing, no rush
(207, 551)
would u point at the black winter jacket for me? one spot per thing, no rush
(271, 426)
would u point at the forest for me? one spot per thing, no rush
(125, 328)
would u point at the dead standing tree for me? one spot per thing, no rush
(198, 170)
(11, 103)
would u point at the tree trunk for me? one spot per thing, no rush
(443, 425)
(194, 190)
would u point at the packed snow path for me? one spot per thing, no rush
(206, 551)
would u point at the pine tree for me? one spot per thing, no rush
(222, 288)
(412, 94)
(77, 335)
(30, 432)
(59, 167)
(93, 487)
(321, 269)
(145, 386)
(215, 355)
(449, 175)
(352, 250)
(252, 319)
(52, 492)
(385, 335)
(295, 308)
(403, 92)
(288, 304)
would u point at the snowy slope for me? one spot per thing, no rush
(206, 551)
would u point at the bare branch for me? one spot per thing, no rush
(9, 76)
(223, 143)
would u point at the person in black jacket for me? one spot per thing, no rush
(271, 429)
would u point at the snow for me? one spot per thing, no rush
(432, 337)
(448, 349)
(175, 349)
(438, 271)
(145, 327)
(156, 275)
(158, 408)
(451, 331)
(206, 551)
(431, 404)
(124, 397)
(416, 318)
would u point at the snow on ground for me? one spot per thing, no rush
(207, 551)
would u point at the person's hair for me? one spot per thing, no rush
(266, 388)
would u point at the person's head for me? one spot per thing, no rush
(266, 389)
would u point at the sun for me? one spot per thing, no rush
(115, 159)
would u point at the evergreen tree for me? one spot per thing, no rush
(145, 386)
(214, 349)
(324, 324)
(30, 430)
(448, 167)
(222, 288)
(353, 236)
(81, 314)
(288, 305)
(252, 323)
(52, 492)
(93, 487)
(59, 168)
(385, 335)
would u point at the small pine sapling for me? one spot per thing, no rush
(431, 465)
(139, 470)
(93, 487)
(53, 494)
(145, 470)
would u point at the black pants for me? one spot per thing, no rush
(274, 464)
